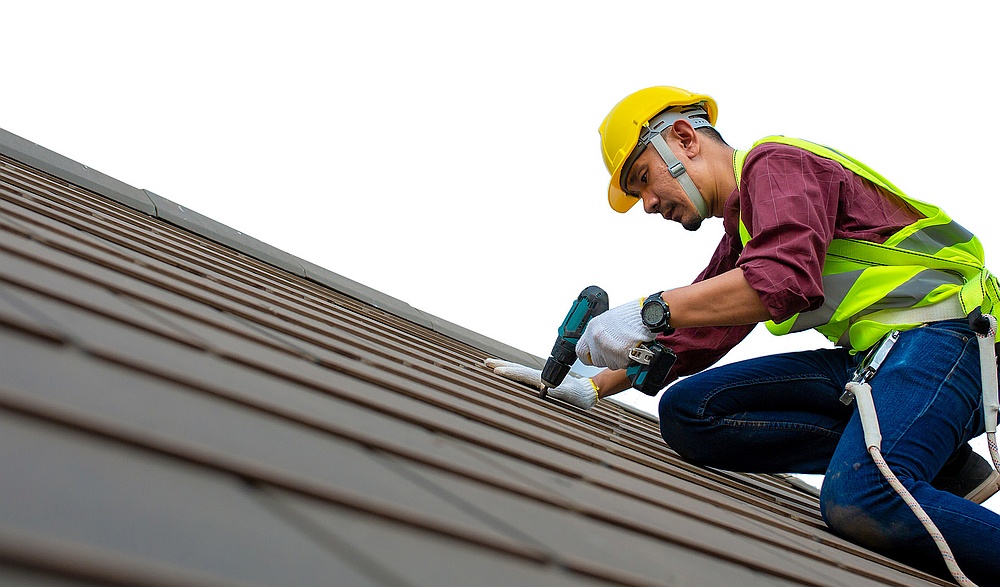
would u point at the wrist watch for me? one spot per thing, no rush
(656, 314)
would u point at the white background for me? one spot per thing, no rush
(446, 153)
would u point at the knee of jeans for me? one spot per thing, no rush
(866, 510)
(680, 429)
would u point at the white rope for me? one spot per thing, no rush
(936, 536)
(991, 441)
(873, 438)
(991, 412)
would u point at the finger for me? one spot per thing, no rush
(514, 371)
(494, 363)
(521, 374)
(579, 392)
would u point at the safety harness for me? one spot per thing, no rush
(866, 283)
(930, 271)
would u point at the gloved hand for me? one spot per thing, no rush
(610, 336)
(579, 391)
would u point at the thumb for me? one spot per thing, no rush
(583, 350)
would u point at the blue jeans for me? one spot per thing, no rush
(782, 414)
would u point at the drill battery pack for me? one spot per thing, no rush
(650, 366)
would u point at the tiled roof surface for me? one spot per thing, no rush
(176, 411)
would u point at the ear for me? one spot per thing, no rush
(686, 137)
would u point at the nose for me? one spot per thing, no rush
(650, 203)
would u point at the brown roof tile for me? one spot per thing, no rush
(183, 405)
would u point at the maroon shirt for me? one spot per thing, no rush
(793, 203)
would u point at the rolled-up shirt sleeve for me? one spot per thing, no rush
(788, 202)
(793, 203)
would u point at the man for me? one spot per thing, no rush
(813, 239)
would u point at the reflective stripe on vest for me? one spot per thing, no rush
(922, 264)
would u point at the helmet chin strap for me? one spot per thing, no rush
(678, 171)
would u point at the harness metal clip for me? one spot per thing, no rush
(870, 365)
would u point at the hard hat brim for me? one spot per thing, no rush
(619, 200)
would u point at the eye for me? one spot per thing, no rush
(642, 178)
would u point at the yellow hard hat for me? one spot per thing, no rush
(622, 126)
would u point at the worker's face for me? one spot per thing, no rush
(661, 193)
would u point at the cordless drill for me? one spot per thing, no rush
(650, 362)
(591, 302)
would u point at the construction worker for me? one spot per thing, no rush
(813, 239)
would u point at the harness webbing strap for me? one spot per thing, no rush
(947, 309)
(988, 367)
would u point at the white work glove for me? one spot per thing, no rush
(579, 391)
(609, 337)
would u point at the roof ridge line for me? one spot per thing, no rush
(152, 204)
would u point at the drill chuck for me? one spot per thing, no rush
(562, 358)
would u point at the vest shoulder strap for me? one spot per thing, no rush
(849, 163)
(932, 214)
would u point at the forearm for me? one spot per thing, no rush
(610, 382)
(723, 300)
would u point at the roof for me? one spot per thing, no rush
(181, 404)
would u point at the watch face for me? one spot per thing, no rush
(653, 314)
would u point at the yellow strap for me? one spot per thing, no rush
(981, 289)
(872, 253)
(852, 164)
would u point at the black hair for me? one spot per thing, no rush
(713, 134)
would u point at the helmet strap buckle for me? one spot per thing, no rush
(679, 173)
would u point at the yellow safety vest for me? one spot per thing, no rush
(924, 263)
